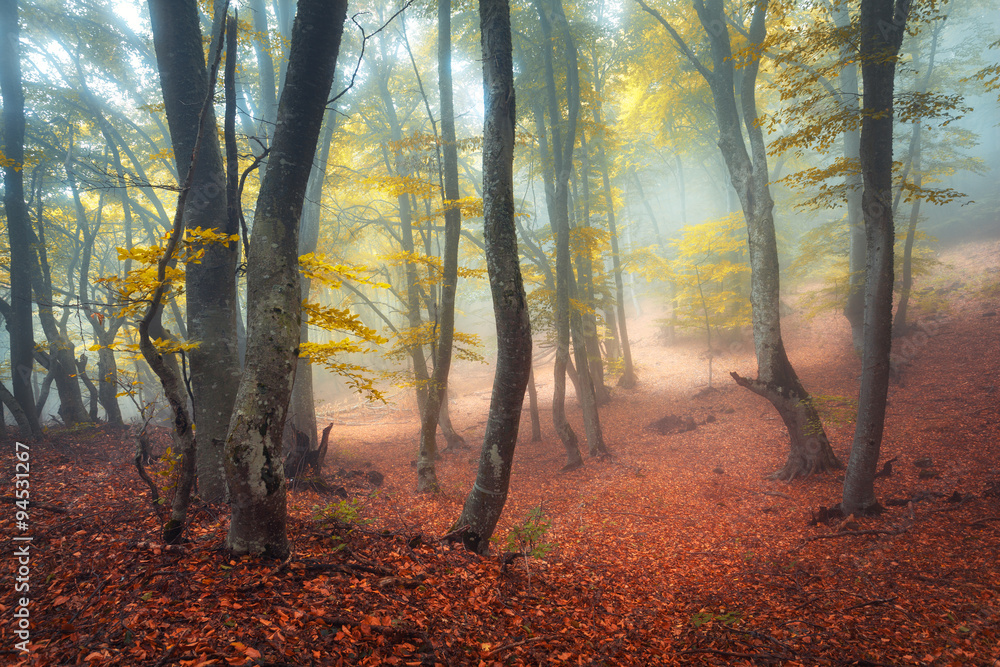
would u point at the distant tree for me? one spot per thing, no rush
(485, 501)
(437, 390)
(19, 325)
(569, 323)
(882, 26)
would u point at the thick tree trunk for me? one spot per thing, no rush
(210, 284)
(11, 404)
(882, 28)
(22, 343)
(437, 390)
(485, 501)
(253, 448)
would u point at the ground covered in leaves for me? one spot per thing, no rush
(676, 550)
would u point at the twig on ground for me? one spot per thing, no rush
(171, 650)
(507, 647)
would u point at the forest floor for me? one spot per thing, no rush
(678, 550)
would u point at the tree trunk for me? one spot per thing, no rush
(302, 410)
(536, 421)
(810, 450)
(559, 421)
(585, 273)
(882, 27)
(210, 284)
(854, 308)
(253, 448)
(627, 380)
(426, 476)
(438, 388)
(19, 324)
(568, 320)
(485, 501)
(899, 326)
(11, 404)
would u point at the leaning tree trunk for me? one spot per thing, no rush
(22, 343)
(882, 29)
(253, 447)
(437, 391)
(210, 284)
(485, 501)
(776, 380)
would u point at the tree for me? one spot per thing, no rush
(485, 501)
(210, 282)
(568, 320)
(776, 380)
(882, 26)
(253, 446)
(438, 387)
(22, 343)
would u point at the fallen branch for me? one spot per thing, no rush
(869, 603)
(847, 533)
(778, 494)
(641, 516)
(981, 523)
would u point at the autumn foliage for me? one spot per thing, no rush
(675, 551)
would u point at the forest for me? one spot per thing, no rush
(625, 332)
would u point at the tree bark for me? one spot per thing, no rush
(882, 27)
(210, 284)
(19, 324)
(485, 501)
(253, 447)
